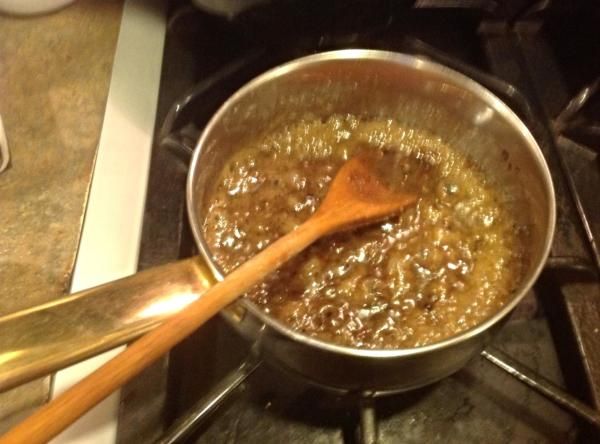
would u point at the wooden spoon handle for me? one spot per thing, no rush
(58, 414)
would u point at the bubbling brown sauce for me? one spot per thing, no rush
(442, 266)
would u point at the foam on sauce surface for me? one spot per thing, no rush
(442, 266)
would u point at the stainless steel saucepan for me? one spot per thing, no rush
(419, 93)
(422, 95)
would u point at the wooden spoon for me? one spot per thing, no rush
(355, 197)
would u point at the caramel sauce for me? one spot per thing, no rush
(442, 266)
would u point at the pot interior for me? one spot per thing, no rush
(415, 92)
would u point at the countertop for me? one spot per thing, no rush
(54, 79)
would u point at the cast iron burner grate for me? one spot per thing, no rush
(549, 331)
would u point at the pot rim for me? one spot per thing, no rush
(413, 62)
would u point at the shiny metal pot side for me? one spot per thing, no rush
(419, 93)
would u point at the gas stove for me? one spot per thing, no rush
(542, 59)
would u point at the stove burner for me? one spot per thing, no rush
(569, 119)
(366, 432)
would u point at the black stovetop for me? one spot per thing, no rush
(535, 56)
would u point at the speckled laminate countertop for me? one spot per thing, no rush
(54, 79)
